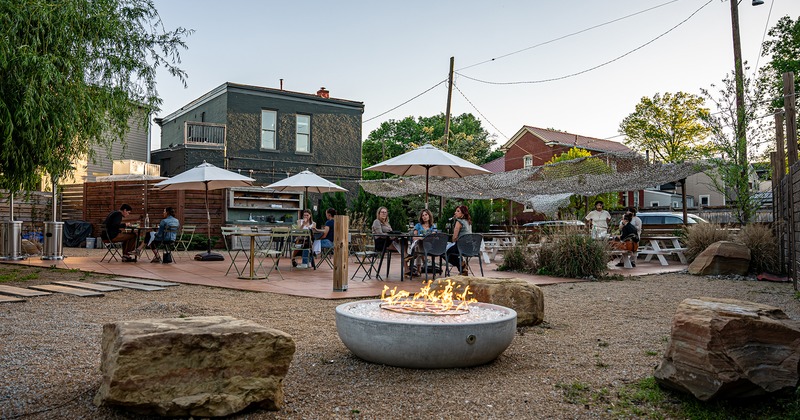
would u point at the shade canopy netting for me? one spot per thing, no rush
(588, 176)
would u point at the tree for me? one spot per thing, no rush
(730, 176)
(669, 126)
(589, 165)
(468, 140)
(73, 74)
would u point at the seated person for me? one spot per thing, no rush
(162, 235)
(114, 232)
(381, 226)
(422, 229)
(326, 241)
(462, 226)
(628, 239)
(305, 223)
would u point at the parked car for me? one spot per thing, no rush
(555, 223)
(668, 218)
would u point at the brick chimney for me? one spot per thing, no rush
(323, 93)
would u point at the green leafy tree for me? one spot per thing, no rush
(783, 48)
(73, 73)
(669, 126)
(590, 165)
(732, 173)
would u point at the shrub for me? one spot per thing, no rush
(700, 236)
(764, 250)
(518, 259)
(200, 242)
(572, 255)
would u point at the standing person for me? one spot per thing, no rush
(114, 226)
(422, 229)
(305, 223)
(462, 226)
(326, 241)
(164, 233)
(598, 220)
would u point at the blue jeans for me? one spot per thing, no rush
(325, 243)
(305, 256)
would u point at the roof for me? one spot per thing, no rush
(496, 166)
(560, 138)
(258, 90)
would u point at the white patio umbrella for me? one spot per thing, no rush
(428, 160)
(305, 181)
(205, 177)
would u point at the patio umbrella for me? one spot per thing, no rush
(428, 160)
(306, 181)
(205, 177)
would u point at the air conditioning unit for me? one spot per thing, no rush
(152, 169)
(128, 167)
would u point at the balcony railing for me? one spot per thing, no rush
(206, 134)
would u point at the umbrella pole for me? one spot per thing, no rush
(427, 169)
(209, 256)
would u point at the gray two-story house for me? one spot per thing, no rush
(265, 133)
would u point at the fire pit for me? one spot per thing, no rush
(425, 331)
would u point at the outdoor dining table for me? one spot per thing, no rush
(252, 257)
(403, 238)
(660, 246)
(139, 231)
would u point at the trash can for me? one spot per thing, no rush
(53, 241)
(10, 240)
(90, 243)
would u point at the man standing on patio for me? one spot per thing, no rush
(114, 232)
(598, 221)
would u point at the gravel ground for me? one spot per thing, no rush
(603, 335)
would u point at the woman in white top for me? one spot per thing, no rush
(305, 223)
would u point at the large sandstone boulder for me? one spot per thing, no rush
(198, 366)
(525, 298)
(720, 258)
(725, 348)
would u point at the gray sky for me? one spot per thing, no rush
(385, 53)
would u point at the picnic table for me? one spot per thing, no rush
(661, 246)
(495, 242)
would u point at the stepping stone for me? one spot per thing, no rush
(6, 299)
(147, 282)
(67, 290)
(19, 291)
(90, 286)
(125, 284)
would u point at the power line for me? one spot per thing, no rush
(763, 37)
(398, 106)
(595, 67)
(566, 36)
(479, 112)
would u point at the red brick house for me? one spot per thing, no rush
(533, 146)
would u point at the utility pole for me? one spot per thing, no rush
(790, 114)
(449, 102)
(741, 129)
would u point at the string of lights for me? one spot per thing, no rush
(553, 79)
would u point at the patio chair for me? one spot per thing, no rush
(433, 245)
(325, 256)
(169, 247)
(185, 240)
(300, 241)
(234, 246)
(469, 245)
(273, 249)
(113, 249)
(364, 253)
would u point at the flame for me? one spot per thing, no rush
(428, 301)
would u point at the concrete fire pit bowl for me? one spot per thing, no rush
(425, 341)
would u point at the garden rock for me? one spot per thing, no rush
(722, 258)
(197, 366)
(525, 298)
(726, 348)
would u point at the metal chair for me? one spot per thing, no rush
(113, 249)
(301, 240)
(185, 240)
(234, 246)
(469, 245)
(169, 246)
(433, 245)
(325, 255)
(273, 248)
(364, 254)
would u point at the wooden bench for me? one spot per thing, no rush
(624, 255)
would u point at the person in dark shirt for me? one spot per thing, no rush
(114, 233)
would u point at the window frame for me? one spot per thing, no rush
(274, 131)
(527, 161)
(297, 133)
(707, 197)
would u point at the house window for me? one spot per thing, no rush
(303, 127)
(527, 161)
(705, 200)
(528, 208)
(268, 123)
(654, 204)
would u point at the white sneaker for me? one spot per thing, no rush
(303, 266)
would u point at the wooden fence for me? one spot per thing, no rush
(788, 210)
